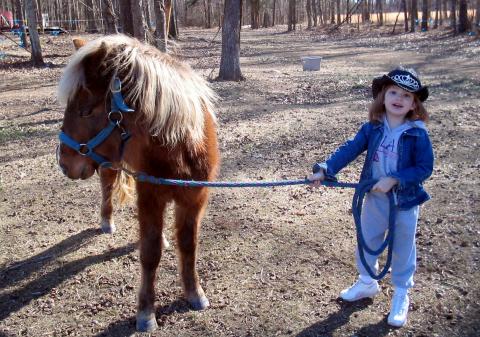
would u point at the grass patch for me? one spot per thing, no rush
(14, 133)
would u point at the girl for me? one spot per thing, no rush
(400, 156)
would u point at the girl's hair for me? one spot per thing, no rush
(377, 109)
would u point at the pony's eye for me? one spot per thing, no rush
(87, 112)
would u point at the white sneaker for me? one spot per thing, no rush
(399, 311)
(360, 290)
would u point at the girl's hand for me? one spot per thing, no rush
(384, 185)
(316, 178)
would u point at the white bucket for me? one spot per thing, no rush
(311, 63)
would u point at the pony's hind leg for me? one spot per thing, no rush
(150, 215)
(187, 227)
(107, 180)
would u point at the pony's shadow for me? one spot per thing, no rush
(20, 270)
(334, 321)
(14, 300)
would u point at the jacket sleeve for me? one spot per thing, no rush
(347, 152)
(423, 166)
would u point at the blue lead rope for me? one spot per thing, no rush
(360, 190)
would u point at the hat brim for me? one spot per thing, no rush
(379, 82)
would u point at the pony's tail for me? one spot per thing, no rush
(124, 188)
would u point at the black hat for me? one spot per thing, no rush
(403, 78)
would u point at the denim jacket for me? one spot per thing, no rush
(415, 161)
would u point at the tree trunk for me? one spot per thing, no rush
(32, 29)
(90, 16)
(405, 14)
(109, 17)
(255, 14)
(207, 6)
(463, 24)
(274, 11)
(161, 25)
(126, 17)
(21, 25)
(314, 13)
(138, 19)
(321, 12)
(425, 15)
(172, 22)
(230, 59)
(339, 18)
(453, 16)
(292, 4)
(413, 15)
(380, 12)
(309, 14)
(477, 17)
(437, 12)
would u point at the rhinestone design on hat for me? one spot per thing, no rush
(407, 81)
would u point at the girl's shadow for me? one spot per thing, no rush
(334, 321)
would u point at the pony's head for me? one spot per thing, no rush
(169, 101)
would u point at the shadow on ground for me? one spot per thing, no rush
(336, 320)
(14, 300)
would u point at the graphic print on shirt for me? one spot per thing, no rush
(386, 149)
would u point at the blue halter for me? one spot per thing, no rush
(118, 106)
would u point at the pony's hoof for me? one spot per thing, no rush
(146, 323)
(108, 227)
(200, 303)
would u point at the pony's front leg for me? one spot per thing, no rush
(150, 214)
(187, 227)
(107, 180)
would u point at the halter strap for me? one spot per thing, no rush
(117, 105)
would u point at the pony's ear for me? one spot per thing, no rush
(79, 43)
(95, 66)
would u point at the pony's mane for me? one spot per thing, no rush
(167, 93)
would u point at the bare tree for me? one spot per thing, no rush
(453, 15)
(161, 25)
(138, 19)
(292, 17)
(380, 12)
(477, 17)
(230, 59)
(31, 8)
(425, 15)
(309, 14)
(255, 13)
(90, 15)
(172, 20)
(413, 15)
(23, 35)
(109, 17)
(437, 12)
(405, 14)
(463, 23)
(126, 17)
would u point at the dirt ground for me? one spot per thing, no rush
(272, 260)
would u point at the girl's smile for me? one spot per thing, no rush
(398, 102)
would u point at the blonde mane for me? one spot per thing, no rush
(169, 95)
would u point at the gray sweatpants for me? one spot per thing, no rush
(374, 226)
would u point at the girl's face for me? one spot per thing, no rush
(398, 102)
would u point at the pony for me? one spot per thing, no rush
(128, 104)
(114, 183)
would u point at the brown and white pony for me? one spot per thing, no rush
(113, 183)
(172, 135)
